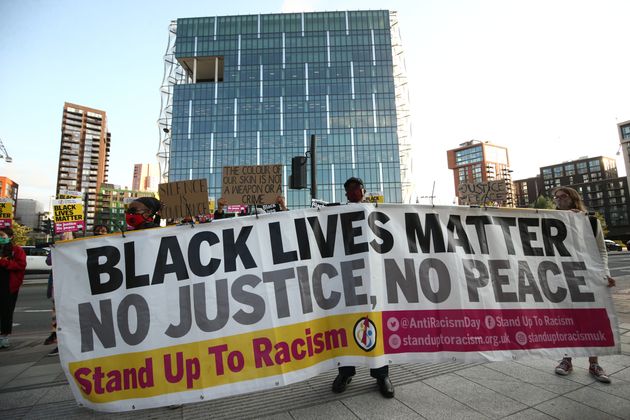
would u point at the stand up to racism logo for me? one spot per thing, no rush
(365, 333)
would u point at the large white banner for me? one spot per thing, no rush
(180, 314)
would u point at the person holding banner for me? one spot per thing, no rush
(279, 206)
(98, 230)
(52, 338)
(143, 213)
(355, 192)
(12, 268)
(220, 213)
(569, 199)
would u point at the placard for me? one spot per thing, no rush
(258, 184)
(68, 215)
(184, 198)
(6, 212)
(483, 192)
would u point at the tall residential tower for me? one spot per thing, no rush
(251, 90)
(83, 154)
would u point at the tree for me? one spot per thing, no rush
(20, 234)
(543, 202)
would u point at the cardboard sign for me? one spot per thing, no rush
(6, 212)
(483, 192)
(259, 184)
(68, 215)
(184, 198)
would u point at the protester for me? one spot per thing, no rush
(220, 212)
(52, 338)
(569, 199)
(355, 192)
(143, 213)
(12, 267)
(278, 206)
(100, 230)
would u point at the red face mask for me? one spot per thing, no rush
(135, 220)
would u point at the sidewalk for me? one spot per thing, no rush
(32, 386)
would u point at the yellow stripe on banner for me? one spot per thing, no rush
(227, 360)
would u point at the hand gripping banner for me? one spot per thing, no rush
(179, 314)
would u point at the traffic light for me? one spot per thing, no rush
(298, 172)
(47, 225)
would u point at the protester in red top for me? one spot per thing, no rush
(12, 267)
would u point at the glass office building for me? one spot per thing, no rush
(251, 90)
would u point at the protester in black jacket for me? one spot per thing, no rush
(355, 192)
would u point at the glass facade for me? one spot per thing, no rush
(469, 155)
(257, 87)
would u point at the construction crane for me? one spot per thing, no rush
(4, 154)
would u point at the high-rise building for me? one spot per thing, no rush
(478, 161)
(146, 177)
(580, 171)
(83, 154)
(251, 90)
(597, 181)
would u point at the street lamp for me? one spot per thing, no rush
(4, 154)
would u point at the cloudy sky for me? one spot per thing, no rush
(546, 78)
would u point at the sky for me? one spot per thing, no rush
(546, 78)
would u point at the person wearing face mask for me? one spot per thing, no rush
(12, 267)
(355, 192)
(143, 213)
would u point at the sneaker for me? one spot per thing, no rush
(565, 367)
(598, 373)
(4, 342)
(55, 352)
(52, 339)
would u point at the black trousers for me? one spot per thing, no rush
(378, 373)
(7, 306)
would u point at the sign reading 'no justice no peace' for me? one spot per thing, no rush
(483, 192)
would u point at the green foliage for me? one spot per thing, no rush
(543, 202)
